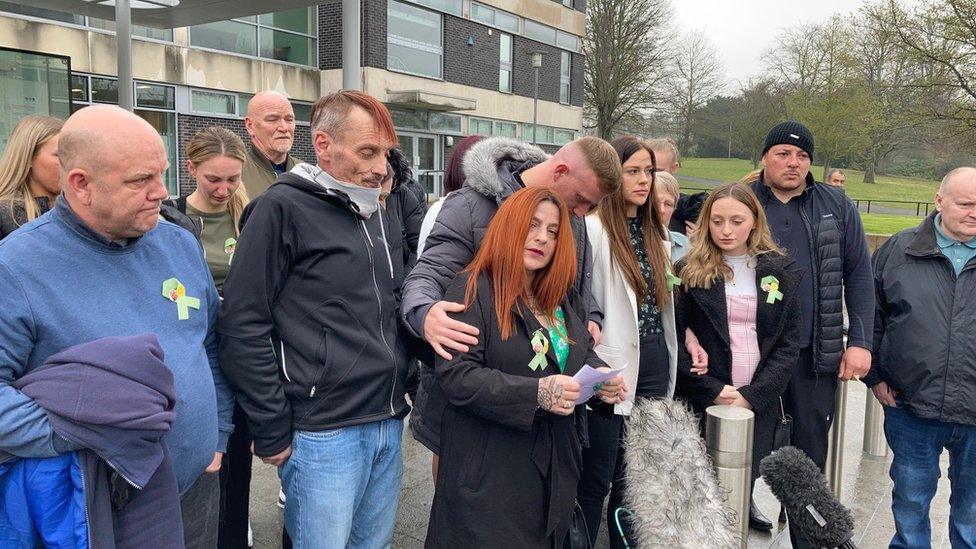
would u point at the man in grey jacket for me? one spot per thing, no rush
(925, 281)
(581, 173)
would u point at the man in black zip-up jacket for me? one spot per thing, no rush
(309, 332)
(821, 230)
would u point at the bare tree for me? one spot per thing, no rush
(696, 77)
(939, 40)
(627, 53)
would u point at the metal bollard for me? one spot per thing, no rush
(728, 436)
(875, 443)
(835, 446)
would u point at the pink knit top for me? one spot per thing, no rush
(740, 302)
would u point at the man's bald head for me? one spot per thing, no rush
(270, 122)
(962, 176)
(956, 202)
(112, 166)
(98, 133)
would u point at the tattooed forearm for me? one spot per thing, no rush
(549, 392)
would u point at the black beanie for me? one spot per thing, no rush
(790, 133)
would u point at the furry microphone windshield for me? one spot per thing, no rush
(798, 484)
(672, 493)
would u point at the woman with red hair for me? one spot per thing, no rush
(510, 447)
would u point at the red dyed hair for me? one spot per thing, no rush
(502, 258)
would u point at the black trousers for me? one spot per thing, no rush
(200, 509)
(810, 400)
(599, 464)
(235, 484)
(604, 470)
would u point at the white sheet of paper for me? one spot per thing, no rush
(588, 379)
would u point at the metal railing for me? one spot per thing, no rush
(862, 204)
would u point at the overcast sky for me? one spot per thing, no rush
(742, 31)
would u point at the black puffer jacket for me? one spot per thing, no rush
(315, 280)
(841, 270)
(923, 330)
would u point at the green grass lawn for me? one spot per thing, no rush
(887, 187)
(887, 223)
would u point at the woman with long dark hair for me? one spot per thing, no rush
(510, 445)
(630, 285)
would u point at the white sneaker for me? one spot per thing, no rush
(250, 535)
(281, 498)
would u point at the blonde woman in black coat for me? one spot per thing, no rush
(739, 296)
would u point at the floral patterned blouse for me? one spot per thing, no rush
(648, 314)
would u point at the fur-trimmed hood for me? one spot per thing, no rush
(490, 165)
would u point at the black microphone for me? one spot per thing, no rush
(672, 495)
(798, 484)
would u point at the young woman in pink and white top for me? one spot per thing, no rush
(739, 296)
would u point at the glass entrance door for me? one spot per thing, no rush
(424, 155)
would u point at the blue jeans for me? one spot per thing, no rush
(917, 444)
(342, 486)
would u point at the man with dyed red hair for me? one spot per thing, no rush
(313, 275)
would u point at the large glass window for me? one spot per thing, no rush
(505, 63)
(447, 6)
(205, 102)
(540, 33)
(232, 36)
(483, 126)
(567, 41)
(565, 76)
(155, 103)
(283, 36)
(494, 17)
(31, 83)
(414, 40)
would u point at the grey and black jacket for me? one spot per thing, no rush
(923, 329)
(13, 214)
(841, 270)
(309, 330)
(491, 168)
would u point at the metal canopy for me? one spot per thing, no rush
(168, 14)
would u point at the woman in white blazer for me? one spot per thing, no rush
(631, 263)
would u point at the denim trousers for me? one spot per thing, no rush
(917, 444)
(342, 486)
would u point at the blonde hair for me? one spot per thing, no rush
(666, 145)
(15, 167)
(667, 183)
(704, 264)
(215, 141)
(751, 176)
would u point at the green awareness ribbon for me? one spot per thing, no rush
(230, 246)
(175, 291)
(541, 346)
(771, 285)
(672, 280)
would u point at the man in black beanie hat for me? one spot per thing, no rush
(820, 228)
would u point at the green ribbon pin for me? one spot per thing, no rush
(230, 245)
(672, 280)
(770, 284)
(541, 346)
(175, 291)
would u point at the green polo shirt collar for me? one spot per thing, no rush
(959, 253)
